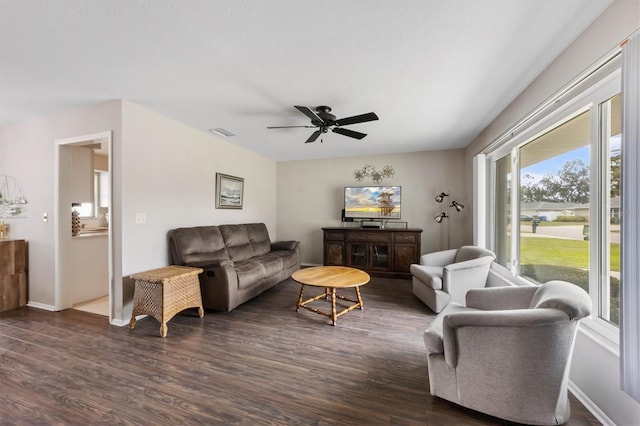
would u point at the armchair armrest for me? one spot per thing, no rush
(284, 245)
(439, 258)
(496, 298)
(525, 319)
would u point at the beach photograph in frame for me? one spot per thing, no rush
(229, 191)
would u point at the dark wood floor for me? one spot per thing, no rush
(262, 364)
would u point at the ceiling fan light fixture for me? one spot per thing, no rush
(221, 132)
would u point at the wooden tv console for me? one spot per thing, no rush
(383, 252)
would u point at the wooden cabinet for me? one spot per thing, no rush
(82, 174)
(13, 274)
(387, 252)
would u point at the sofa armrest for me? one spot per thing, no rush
(284, 245)
(438, 258)
(496, 298)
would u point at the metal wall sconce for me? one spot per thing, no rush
(441, 217)
(457, 206)
(444, 215)
(440, 198)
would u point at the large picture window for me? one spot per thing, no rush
(556, 199)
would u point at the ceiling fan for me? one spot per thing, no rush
(324, 120)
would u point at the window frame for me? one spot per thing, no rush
(565, 107)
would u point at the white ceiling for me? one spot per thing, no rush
(436, 72)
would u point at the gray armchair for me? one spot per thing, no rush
(508, 352)
(446, 276)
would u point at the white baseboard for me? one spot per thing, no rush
(41, 306)
(589, 405)
(124, 323)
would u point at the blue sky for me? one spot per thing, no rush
(554, 164)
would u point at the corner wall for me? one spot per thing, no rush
(169, 174)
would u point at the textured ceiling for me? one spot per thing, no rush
(435, 72)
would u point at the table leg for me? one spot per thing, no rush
(163, 329)
(132, 323)
(359, 298)
(300, 298)
(200, 311)
(334, 317)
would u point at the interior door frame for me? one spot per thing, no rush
(62, 217)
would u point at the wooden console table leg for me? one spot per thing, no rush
(334, 316)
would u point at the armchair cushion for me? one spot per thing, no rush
(465, 253)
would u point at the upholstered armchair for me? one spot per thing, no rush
(508, 352)
(446, 276)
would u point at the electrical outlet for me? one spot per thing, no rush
(141, 218)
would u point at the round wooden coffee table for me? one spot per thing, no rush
(331, 278)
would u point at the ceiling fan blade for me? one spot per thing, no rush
(309, 113)
(362, 118)
(347, 132)
(314, 136)
(288, 127)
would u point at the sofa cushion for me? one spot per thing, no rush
(198, 244)
(250, 274)
(259, 238)
(271, 264)
(289, 258)
(237, 241)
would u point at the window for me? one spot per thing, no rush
(100, 195)
(556, 197)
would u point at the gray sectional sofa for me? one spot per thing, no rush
(239, 261)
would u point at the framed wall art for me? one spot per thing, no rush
(229, 191)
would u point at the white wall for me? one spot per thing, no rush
(311, 196)
(595, 370)
(168, 173)
(27, 153)
(160, 167)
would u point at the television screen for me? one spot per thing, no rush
(372, 202)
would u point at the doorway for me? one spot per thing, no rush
(83, 253)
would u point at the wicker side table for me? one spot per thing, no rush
(162, 293)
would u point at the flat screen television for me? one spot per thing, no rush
(372, 202)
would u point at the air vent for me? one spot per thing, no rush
(221, 132)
